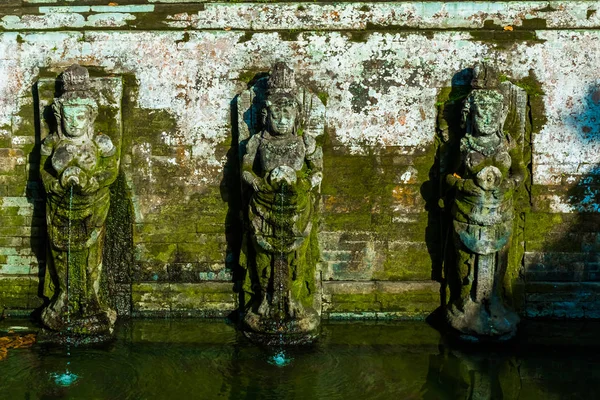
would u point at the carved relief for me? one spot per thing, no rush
(489, 169)
(77, 166)
(281, 176)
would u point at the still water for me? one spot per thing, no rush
(199, 359)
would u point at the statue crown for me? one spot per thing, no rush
(282, 80)
(77, 88)
(76, 78)
(485, 76)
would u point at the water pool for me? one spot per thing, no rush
(199, 359)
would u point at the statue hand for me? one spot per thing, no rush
(91, 187)
(315, 179)
(56, 187)
(259, 185)
(470, 187)
(73, 176)
(506, 186)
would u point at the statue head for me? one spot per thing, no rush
(486, 112)
(75, 109)
(282, 114)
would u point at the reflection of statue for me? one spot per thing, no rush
(77, 166)
(490, 169)
(281, 170)
(460, 373)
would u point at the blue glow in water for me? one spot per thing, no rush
(65, 379)
(280, 359)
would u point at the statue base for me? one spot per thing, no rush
(47, 336)
(94, 328)
(478, 323)
(290, 332)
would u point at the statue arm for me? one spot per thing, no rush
(248, 175)
(50, 181)
(103, 176)
(314, 162)
(517, 168)
(464, 185)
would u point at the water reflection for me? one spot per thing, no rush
(475, 373)
(159, 359)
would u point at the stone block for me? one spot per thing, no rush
(151, 297)
(18, 292)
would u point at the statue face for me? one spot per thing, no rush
(76, 120)
(486, 117)
(281, 117)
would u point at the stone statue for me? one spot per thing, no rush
(77, 167)
(489, 169)
(281, 173)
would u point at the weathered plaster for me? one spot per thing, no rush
(271, 15)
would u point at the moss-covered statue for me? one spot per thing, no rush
(489, 169)
(281, 173)
(77, 166)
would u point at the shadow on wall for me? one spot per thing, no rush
(562, 263)
(36, 194)
(231, 185)
(438, 234)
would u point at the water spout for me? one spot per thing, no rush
(280, 359)
(65, 379)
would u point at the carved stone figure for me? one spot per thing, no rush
(281, 173)
(489, 170)
(77, 166)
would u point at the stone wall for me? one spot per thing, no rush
(385, 71)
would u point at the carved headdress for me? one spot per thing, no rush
(282, 80)
(485, 93)
(76, 92)
(282, 89)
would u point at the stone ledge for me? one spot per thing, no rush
(183, 299)
(186, 14)
(370, 287)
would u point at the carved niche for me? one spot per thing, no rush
(78, 164)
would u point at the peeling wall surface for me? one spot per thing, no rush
(384, 71)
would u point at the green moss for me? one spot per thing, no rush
(290, 35)
(19, 293)
(354, 303)
(323, 96)
(249, 76)
(209, 251)
(409, 300)
(246, 37)
(451, 95)
(358, 36)
(405, 264)
(497, 36)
